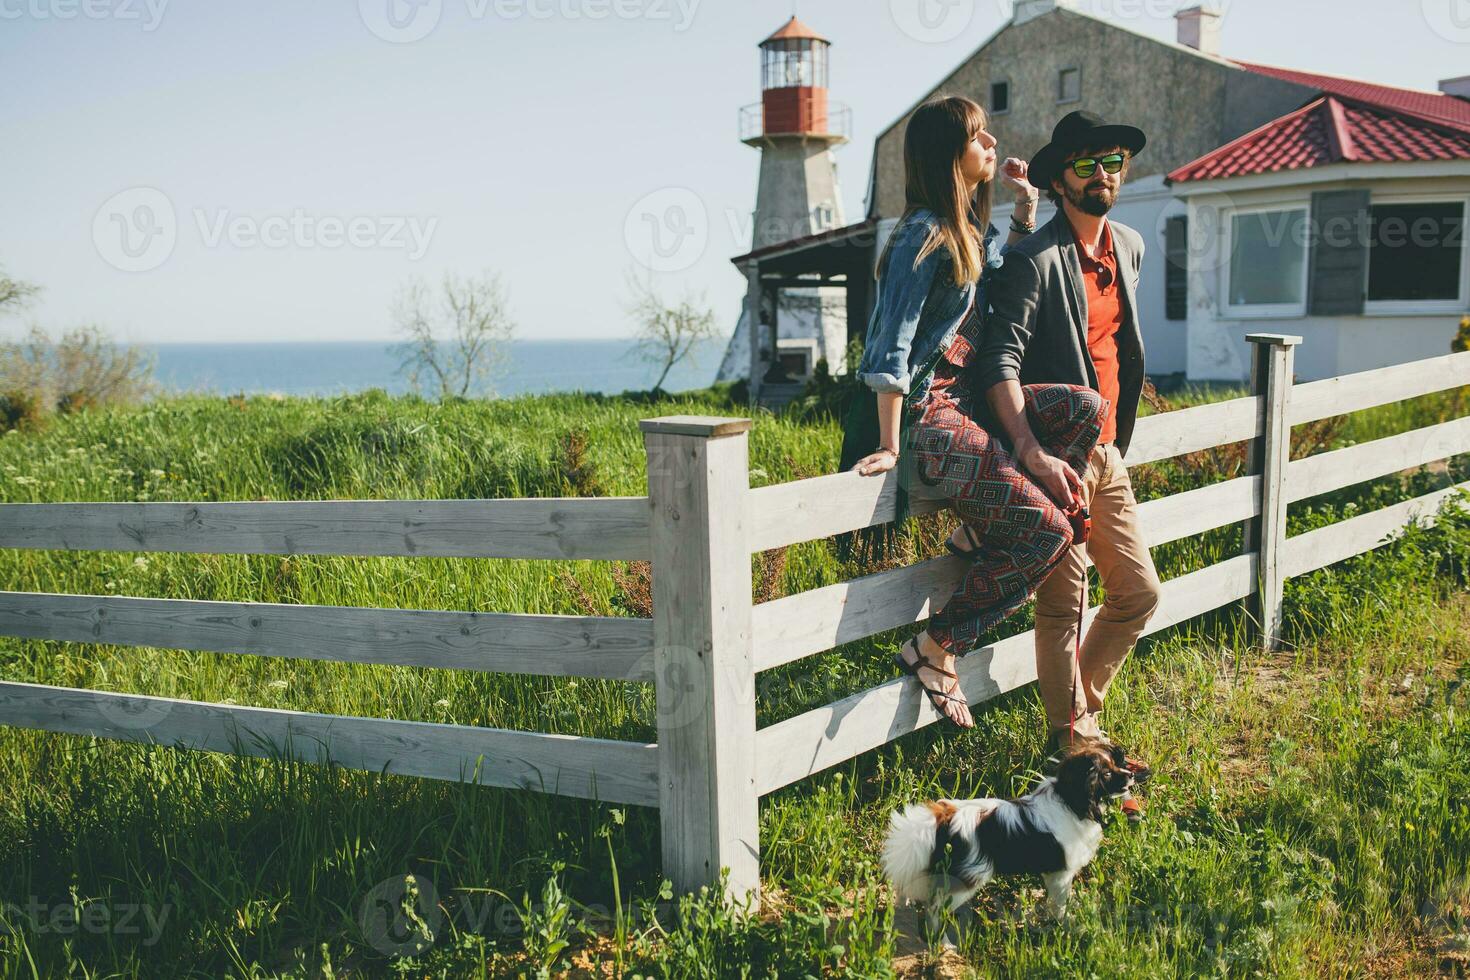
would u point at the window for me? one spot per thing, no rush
(797, 356)
(1267, 268)
(1069, 85)
(1416, 252)
(1000, 98)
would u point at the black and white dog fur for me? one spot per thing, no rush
(942, 852)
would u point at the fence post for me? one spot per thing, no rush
(698, 482)
(1272, 361)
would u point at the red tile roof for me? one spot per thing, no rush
(1430, 105)
(794, 29)
(1331, 130)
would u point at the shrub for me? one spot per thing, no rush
(21, 410)
(828, 396)
(82, 369)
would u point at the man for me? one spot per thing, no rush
(1063, 308)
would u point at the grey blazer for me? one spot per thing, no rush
(1035, 328)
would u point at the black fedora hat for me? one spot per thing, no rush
(1080, 130)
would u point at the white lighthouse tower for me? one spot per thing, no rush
(796, 129)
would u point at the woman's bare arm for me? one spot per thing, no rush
(890, 405)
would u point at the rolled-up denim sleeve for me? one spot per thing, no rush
(901, 294)
(1012, 297)
(995, 249)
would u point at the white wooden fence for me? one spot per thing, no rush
(698, 526)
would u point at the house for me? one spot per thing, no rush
(1342, 221)
(1048, 60)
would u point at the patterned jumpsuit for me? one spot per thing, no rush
(1024, 534)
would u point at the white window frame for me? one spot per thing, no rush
(824, 216)
(1422, 307)
(1262, 311)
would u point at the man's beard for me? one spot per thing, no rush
(1096, 205)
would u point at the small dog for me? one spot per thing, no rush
(944, 851)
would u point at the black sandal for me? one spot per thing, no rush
(936, 697)
(968, 554)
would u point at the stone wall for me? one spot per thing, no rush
(1187, 103)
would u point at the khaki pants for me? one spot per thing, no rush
(1132, 586)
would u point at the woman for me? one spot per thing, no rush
(921, 335)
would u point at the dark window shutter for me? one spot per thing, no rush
(1176, 268)
(1337, 278)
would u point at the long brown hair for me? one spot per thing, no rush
(934, 142)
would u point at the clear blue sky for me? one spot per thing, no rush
(516, 135)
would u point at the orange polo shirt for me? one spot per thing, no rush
(1104, 317)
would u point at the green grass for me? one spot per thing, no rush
(1309, 817)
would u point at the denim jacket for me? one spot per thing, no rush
(918, 311)
(917, 314)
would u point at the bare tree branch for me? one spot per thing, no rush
(665, 335)
(14, 294)
(458, 334)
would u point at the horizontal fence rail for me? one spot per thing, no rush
(1350, 393)
(562, 646)
(622, 772)
(707, 641)
(1347, 539)
(567, 528)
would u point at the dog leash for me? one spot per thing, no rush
(1077, 663)
(1081, 521)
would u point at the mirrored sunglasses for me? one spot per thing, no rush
(1085, 167)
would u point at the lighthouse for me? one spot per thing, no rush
(795, 127)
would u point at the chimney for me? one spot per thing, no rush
(1199, 28)
(1031, 9)
(1458, 87)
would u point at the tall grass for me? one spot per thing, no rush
(1310, 807)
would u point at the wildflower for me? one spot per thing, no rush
(140, 562)
(442, 703)
(280, 685)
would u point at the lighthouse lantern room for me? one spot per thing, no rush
(794, 64)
